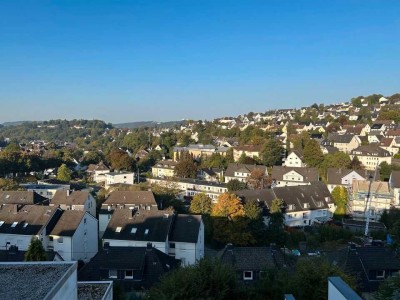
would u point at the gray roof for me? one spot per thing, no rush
(68, 223)
(28, 220)
(247, 258)
(67, 198)
(243, 168)
(309, 174)
(395, 179)
(371, 150)
(151, 225)
(32, 280)
(131, 197)
(22, 197)
(186, 228)
(335, 175)
(340, 138)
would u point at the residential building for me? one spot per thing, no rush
(242, 172)
(49, 280)
(340, 290)
(345, 142)
(181, 236)
(134, 268)
(199, 150)
(19, 224)
(304, 204)
(45, 190)
(164, 168)
(381, 198)
(210, 174)
(294, 159)
(250, 263)
(74, 236)
(137, 200)
(371, 156)
(344, 177)
(252, 151)
(13, 254)
(389, 144)
(394, 182)
(190, 187)
(22, 198)
(186, 240)
(119, 177)
(97, 172)
(76, 200)
(293, 176)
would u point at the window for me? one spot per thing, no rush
(146, 232)
(112, 274)
(128, 274)
(14, 224)
(84, 220)
(248, 275)
(380, 274)
(118, 229)
(50, 238)
(60, 240)
(133, 230)
(1, 223)
(25, 225)
(172, 245)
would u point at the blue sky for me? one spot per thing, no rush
(164, 60)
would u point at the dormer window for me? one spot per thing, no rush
(305, 205)
(380, 274)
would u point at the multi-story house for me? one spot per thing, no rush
(119, 178)
(22, 198)
(344, 177)
(293, 176)
(345, 142)
(76, 200)
(394, 182)
(381, 199)
(371, 156)
(97, 172)
(74, 236)
(136, 200)
(190, 187)
(242, 172)
(164, 168)
(252, 151)
(180, 236)
(294, 159)
(199, 150)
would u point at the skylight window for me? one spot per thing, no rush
(1, 223)
(14, 224)
(118, 229)
(146, 231)
(25, 225)
(133, 230)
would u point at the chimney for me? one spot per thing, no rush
(149, 247)
(229, 247)
(15, 208)
(106, 246)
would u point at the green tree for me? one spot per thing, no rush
(63, 173)
(355, 164)
(235, 185)
(276, 216)
(207, 279)
(385, 171)
(120, 160)
(186, 168)
(201, 204)
(252, 210)
(312, 154)
(271, 154)
(35, 251)
(341, 197)
(389, 289)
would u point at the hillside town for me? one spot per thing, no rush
(302, 194)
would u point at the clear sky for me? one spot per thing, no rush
(164, 60)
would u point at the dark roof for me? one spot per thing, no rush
(28, 220)
(186, 228)
(335, 175)
(131, 197)
(148, 265)
(156, 223)
(361, 224)
(74, 198)
(248, 258)
(340, 138)
(395, 179)
(243, 168)
(99, 167)
(309, 174)
(68, 223)
(371, 150)
(14, 254)
(22, 197)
